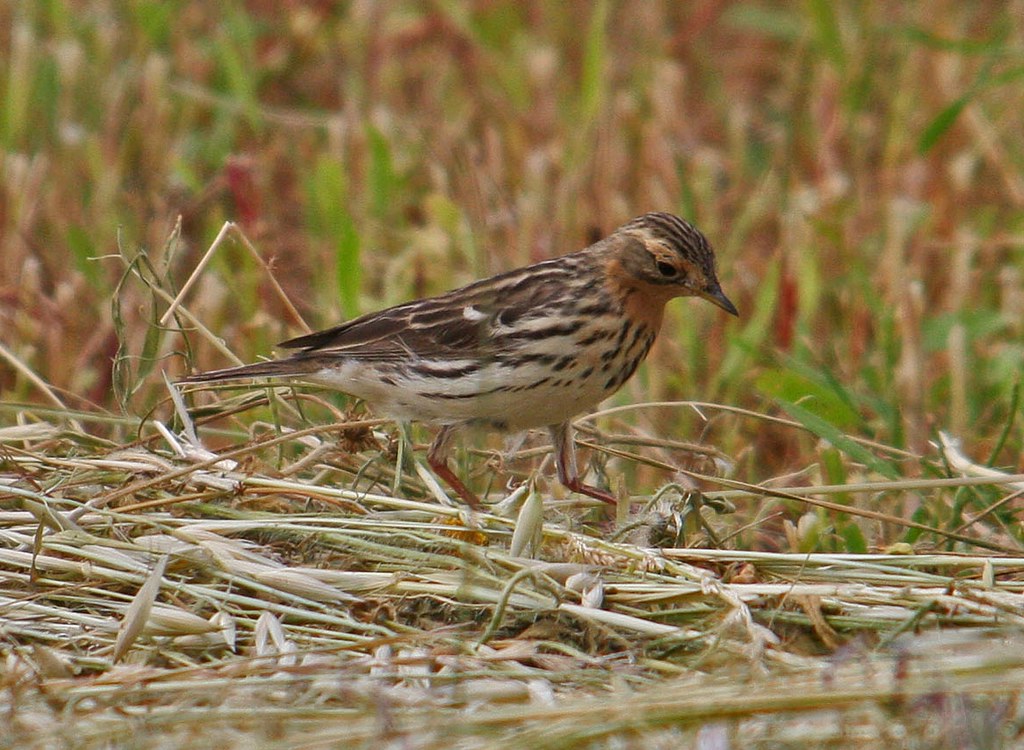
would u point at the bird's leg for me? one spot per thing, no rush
(437, 457)
(565, 462)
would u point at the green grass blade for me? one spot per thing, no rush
(329, 217)
(827, 431)
(383, 180)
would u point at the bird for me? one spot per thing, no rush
(528, 348)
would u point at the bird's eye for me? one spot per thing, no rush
(667, 269)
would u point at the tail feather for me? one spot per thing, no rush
(280, 368)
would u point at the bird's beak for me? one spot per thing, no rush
(716, 296)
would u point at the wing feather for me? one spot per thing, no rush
(460, 323)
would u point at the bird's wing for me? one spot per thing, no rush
(416, 329)
(467, 323)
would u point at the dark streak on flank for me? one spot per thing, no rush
(530, 386)
(461, 396)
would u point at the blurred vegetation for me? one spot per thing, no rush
(858, 166)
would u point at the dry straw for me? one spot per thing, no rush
(179, 590)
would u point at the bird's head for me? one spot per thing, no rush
(666, 257)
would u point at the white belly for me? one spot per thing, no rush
(496, 394)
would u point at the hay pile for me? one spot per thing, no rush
(154, 594)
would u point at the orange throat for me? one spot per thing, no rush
(644, 304)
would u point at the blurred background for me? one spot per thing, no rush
(859, 168)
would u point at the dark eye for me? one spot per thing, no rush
(667, 269)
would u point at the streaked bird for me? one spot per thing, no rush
(532, 347)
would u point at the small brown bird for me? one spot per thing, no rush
(528, 348)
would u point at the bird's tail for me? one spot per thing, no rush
(278, 368)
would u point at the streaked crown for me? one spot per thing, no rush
(673, 254)
(677, 235)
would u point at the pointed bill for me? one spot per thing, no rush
(716, 296)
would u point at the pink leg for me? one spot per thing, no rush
(437, 457)
(565, 462)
